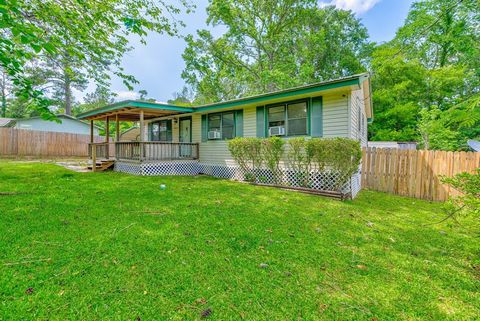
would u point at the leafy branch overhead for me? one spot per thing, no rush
(92, 34)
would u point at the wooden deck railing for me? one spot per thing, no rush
(145, 151)
(99, 150)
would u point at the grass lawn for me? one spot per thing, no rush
(110, 246)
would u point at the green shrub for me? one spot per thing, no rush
(318, 149)
(272, 151)
(339, 155)
(344, 157)
(299, 159)
(468, 203)
(254, 153)
(247, 152)
(238, 149)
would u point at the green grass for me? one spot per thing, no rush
(109, 246)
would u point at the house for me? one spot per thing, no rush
(68, 124)
(132, 134)
(394, 145)
(192, 140)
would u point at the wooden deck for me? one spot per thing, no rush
(143, 151)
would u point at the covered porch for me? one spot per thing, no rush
(142, 150)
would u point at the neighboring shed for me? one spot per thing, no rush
(395, 145)
(7, 122)
(132, 134)
(68, 124)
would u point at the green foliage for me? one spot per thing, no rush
(272, 45)
(344, 157)
(237, 147)
(430, 67)
(339, 155)
(254, 154)
(247, 152)
(318, 148)
(92, 34)
(435, 134)
(299, 159)
(183, 98)
(100, 97)
(468, 203)
(272, 151)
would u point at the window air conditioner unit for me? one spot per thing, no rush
(213, 134)
(276, 131)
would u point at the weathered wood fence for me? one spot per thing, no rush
(414, 173)
(23, 142)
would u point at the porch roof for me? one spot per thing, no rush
(130, 109)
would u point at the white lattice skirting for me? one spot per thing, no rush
(326, 181)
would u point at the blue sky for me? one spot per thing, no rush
(158, 65)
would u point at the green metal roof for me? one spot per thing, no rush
(286, 93)
(134, 103)
(306, 89)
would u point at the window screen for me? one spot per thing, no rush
(297, 119)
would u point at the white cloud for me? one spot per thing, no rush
(357, 6)
(126, 95)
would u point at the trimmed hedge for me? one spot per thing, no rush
(341, 156)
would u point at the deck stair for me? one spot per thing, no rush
(102, 165)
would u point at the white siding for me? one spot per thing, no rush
(335, 124)
(216, 151)
(67, 125)
(358, 123)
(335, 116)
(250, 122)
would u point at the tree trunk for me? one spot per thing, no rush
(4, 95)
(445, 47)
(4, 104)
(68, 95)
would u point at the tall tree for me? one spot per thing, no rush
(101, 97)
(428, 76)
(271, 45)
(97, 31)
(5, 89)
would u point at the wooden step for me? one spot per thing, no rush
(102, 165)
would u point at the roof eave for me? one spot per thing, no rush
(133, 103)
(354, 81)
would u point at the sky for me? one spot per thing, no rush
(159, 64)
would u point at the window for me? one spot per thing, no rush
(161, 131)
(221, 125)
(276, 116)
(155, 131)
(297, 119)
(292, 117)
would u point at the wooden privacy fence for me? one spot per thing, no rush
(23, 142)
(414, 173)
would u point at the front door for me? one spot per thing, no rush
(185, 136)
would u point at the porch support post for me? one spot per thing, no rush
(142, 135)
(91, 131)
(117, 135)
(117, 129)
(107, 136)
(90, 146)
